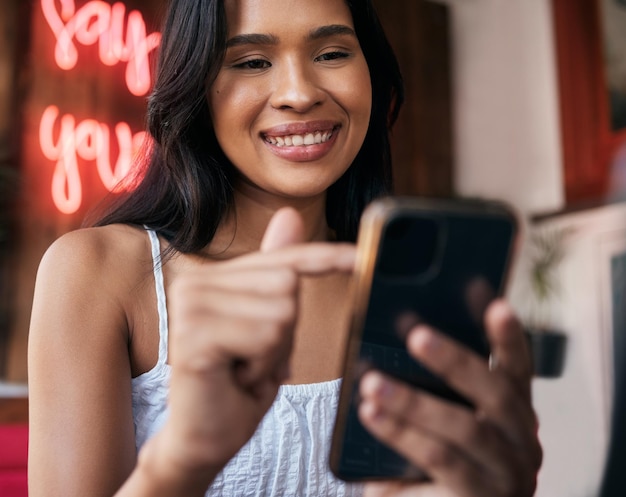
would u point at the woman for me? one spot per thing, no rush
(202, 350)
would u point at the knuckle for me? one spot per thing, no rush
(504, 487)
(184, 284)
(189, 313)
(393, 429)
(185, 321)
(519, 474)
(272, 336)
(285, 312)
(514, 482)
(183, 299)
(476, 433)
(406, 400)
(453, 364)
(439, 455)
(284, 280)
(504, 399)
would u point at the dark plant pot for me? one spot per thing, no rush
(548, 350)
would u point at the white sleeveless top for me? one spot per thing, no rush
(288, 453)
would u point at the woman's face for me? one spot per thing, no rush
(292, 101)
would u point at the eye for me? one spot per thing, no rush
(329, 56)
(253, 64)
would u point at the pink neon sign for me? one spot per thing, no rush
(100, 22)
(89, 140)
(63, 140)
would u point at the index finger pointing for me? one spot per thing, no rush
(306, 259)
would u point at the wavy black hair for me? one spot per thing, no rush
(186, 183)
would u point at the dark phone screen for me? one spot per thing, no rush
(443, 270)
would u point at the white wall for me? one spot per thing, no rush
(575, 410)
(506, 112)
(507, 141)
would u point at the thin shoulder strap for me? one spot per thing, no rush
(160, 293)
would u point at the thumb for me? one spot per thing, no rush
(285, 228)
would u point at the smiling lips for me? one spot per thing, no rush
(300, 140)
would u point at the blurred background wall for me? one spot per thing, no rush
(506, 99)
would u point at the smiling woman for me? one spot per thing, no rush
(311, 79)
(191, 342)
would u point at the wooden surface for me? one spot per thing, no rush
(14, 21)
(589, 145)
(422, 145)
(13, 411)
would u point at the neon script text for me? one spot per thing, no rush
(89, 140)
(100, 22)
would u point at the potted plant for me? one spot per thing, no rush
(547, 341)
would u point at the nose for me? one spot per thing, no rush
(296, 87)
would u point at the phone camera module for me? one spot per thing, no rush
(410, 247)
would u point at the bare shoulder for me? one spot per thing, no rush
(107, 249)
(95, 271)
(79, 367)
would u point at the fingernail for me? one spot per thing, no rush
(424, 340)
(385, 388)
(377, 385)
(369, 412)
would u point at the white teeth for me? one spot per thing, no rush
(299, 140)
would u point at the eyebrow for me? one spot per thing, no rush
(251, 39)
(269, 39)
(331, 30)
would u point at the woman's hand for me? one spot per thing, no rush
(492, 451)
(231, 331)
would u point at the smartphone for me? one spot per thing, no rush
(439, 262)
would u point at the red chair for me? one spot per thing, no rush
(13, 460)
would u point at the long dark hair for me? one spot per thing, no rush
(186, 184)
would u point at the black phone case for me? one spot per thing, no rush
(438, 262)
